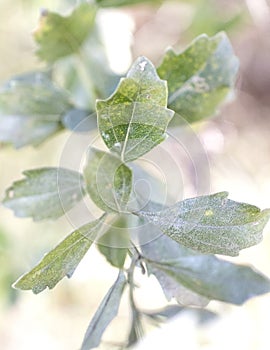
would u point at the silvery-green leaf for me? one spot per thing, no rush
(134, 119)
(114, 243)
(31, 107)
(217, 279)
(211, 224)
(45, 193)
(108, 181)
(200, 77)
(62, 260)
(160, 247)
(105, 314)
(59, 36)
(194, 278)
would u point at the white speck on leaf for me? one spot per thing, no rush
(142, 65)
(199, 84)
(105, 135)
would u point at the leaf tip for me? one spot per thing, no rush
(222, 195)
(15, 285)
(142, 64)
(265, 213)
(9, 193)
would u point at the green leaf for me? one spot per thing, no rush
(62, 260)
(115, 242)
(200, 77)
(115, 3)
(30, 109)
(160, 247)
(108, 181)
(45, 193)
(211, 224)
(59, 36)
(206, 275)
(106, 312)
(217, 279)
(134, 119)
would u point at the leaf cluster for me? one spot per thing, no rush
(132, 116)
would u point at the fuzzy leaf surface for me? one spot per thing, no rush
(31, 107)
(105, 314)
(200, 77)
(217, 279)
(163, 249)
(62, 260)
(211, 224)
(45, 193)
(134, 119)
(195, 279)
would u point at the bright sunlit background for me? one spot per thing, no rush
(237, 145)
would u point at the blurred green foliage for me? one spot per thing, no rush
(211, 17)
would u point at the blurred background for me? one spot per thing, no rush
(237, 146)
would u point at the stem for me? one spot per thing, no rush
(136, 331)
(139, 258)
(130, 273)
